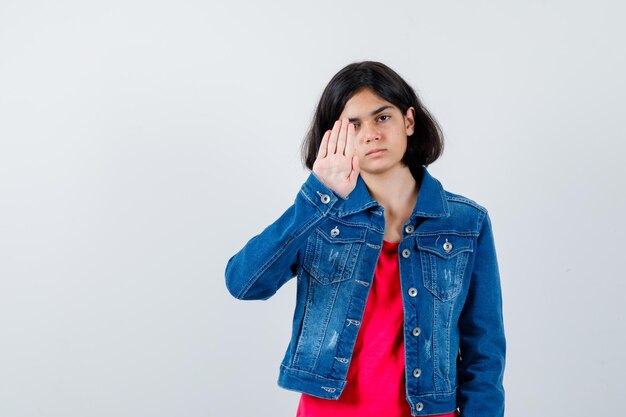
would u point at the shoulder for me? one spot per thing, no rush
(466, 210)
(456, 204)
(458, 199)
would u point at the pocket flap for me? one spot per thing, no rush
(336, 232)
(332, 251)
(446, 244)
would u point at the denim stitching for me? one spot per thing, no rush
(444, 205)
(336, 219)
(437, 394)
(435, 345)
(349, 308)
(433, 273)
(360, 228)
(342, 213)
(447, 361)
(447, 232)
(467, 201)
(282, 365)
(296, 356)
(461, 265)
(480, 221)
(348, 253)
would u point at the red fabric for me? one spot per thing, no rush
(376, 381)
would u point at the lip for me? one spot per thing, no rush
(374, 152)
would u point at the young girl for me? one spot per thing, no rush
(399, 308)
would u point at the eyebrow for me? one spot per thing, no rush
(378, 110)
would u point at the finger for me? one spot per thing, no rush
(332, 141)
(350, 140)
(356, 169)
(343, 134)
(321, 153)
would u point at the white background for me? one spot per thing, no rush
(142, 143)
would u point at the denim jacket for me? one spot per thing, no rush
(454, 340)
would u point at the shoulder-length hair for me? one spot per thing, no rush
(424, 146)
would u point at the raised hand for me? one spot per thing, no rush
(336, 165)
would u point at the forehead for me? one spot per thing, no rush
(366, 103)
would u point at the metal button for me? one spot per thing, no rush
(417, 372)
(334, 232)
(406, 253)
(419, 406)
(447, 246)
(417, 331)
(325, 198)
(409, 229)
(412, 292)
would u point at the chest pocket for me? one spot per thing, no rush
(332, 251)
(444, 259)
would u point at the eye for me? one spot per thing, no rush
(356, 125)
(386, 117)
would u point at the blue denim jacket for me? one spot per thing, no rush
(453, 327)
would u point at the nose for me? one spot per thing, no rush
(369, 132)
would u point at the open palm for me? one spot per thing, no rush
(336, 165)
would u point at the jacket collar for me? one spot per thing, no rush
(431, 201)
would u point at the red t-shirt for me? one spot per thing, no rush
(376, 380)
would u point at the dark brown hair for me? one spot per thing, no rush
(424, 146)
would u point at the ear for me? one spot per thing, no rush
(409, 121)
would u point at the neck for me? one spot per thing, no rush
(395, 190)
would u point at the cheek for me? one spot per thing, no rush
(405, 145)
(359, 148)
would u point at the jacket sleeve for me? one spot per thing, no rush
(270, 259)
(482, 340)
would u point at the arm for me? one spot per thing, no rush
(482, 341)
(269, 259)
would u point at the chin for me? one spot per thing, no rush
(375, 170)
(379, 168)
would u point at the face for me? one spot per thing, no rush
(381, 131)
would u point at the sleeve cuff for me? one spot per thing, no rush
(316, 192)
